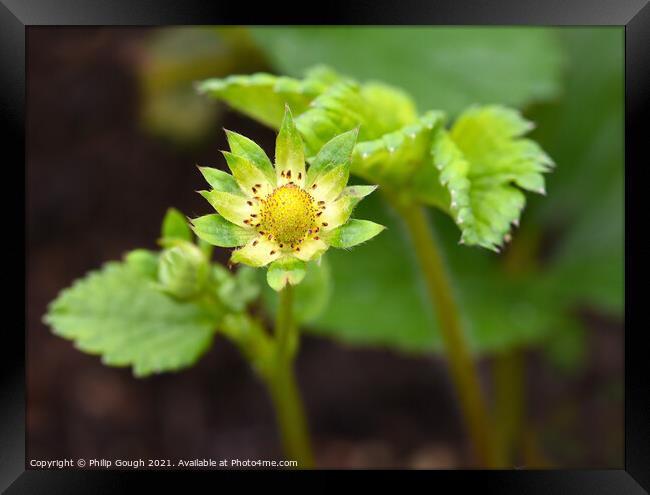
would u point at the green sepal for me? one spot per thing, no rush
(285, 271)
(352, 233)
(311, 297)
(232, 207)
(247, 173)
(220, 180)
(336, 151)
(249, 149)
(217, 231)
(289, 149)
(175, 226)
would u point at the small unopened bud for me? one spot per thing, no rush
(183, 271)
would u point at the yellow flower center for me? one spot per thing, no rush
(288, 214)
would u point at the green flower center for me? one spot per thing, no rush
(288, 214)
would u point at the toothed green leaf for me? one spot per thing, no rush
(217, 231)
(263, 96)
(394, 157)
(484, 163)
(119, 314)
(344, 107)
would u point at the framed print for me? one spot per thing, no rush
(391, 239)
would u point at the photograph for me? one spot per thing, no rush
(325, 247)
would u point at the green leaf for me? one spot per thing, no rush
(175, 226)
(394, 157)
(118, 313)
(447, 68)
(344, 107)
(285, 271)
(311, 296)
(263, 96)
(241, 145)
(216, 230)
(481, 160)
(352, 233)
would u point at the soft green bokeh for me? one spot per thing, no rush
(444, 68)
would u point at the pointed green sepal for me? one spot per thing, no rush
(241, 145)
(289, 149)
(220, 180)
(338, 212)
(232, 207)
(217, 231)
(175, 226)
(352, 233)
(250, 178)
(285, 271)
(336, 151)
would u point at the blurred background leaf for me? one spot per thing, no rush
(444, 68)
(176, 57)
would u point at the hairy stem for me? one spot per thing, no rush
(284, 389)
(463, 371)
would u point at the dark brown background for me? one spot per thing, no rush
(98, 186)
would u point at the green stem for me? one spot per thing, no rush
(509, 386)
(463, 372)
(284, 389)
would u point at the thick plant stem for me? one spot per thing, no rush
(284, 389)
(463, 371)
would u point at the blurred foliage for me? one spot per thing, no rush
(444, 68)
(173, 58)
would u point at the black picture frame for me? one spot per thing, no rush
(17, 15)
